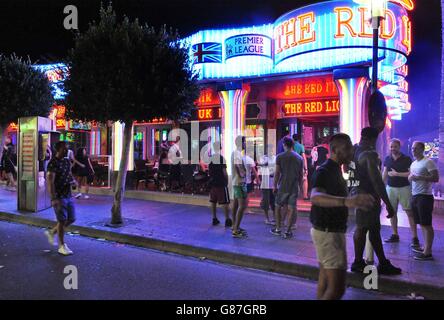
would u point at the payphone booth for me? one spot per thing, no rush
(35, 139)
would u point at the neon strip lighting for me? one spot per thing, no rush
(233, 103)
(351, 110)
(117, 130)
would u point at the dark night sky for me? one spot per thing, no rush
(35, 28)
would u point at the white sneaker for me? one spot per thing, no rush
(86, 197)
(50, 237)
(77, 196)
(64, 250)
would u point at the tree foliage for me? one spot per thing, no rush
(23, 91)
(122, 71)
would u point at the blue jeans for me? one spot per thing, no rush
(65, 211)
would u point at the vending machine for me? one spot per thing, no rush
(35, 141)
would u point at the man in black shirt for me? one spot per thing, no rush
(60, 180)
(217, 170)
(329, 213)
(395, 174)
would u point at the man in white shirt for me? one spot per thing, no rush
(240, 195)
(423, 173)
(267, 165)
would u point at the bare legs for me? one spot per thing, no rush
(239, 206)
(331, 284)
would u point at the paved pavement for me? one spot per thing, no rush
(190, 226)
(31, 269)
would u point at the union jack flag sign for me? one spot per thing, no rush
(207, 52)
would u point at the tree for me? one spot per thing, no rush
(122, 71)
(24, 91)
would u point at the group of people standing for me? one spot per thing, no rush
(350, 178)
(280, 178)
(332, 197)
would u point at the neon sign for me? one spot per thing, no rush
(12, 127)
(208, 96)
(305, 108)
(58, 114)
(248, 45)
(310, 88)
(338, 25)
(202, 114)
(318, 37)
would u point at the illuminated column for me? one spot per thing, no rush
(233, 102)
(353, 86)
(117, 140)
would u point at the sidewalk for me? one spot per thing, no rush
(187, 230)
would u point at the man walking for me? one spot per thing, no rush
(288, 177)
(395, 174)
(423, 173)
(240, 194)
(365, 177)
(60, 180)
(329, 213)
(217, 171)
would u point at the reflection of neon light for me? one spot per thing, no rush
(95, 142)
(293, 128)
(351, 111)
(233, 120)
(154, 132)
(56, 74)
(118, 145)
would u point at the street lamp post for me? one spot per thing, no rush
(378, 9)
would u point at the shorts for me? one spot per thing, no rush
(66, 211)
(283, 199)
(422, 208)
(240, 192)
(401, 196)
(331, 249)
(219, 195)
(369, 219)
(267, 200)
(250, 187)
